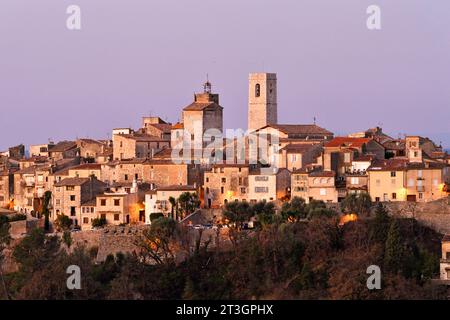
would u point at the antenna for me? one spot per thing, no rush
(315, 120)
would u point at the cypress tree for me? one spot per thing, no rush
(394, 251)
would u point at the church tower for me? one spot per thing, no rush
(262, 101)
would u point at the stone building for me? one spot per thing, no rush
(122, 171)
(162, 173)
(116, 208)
(131, 146)
(86, 170)
(155, 126)
(70, 194)
(314, 185)
(40, 150)
(90, 149)
(64, 150)
(157, 201)
(262, 100)
(297, 156)
(200, 117)
(225, 183)
(339, 153)
(269, 186)
(398, 179)
(6, 187)
(17, 152)
(267, 143)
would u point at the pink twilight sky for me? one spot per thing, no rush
(136, 57)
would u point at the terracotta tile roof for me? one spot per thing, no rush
(63, 146)
(298, 147)
(258, 171)
(394, 164)
(176, 188)
(200, 106)
(142, 137)
(230, 165)
(305, 129)
(32, 169)
(328, 174)
(347, 142)
(87, 166)
(89, 203)
(426, 165)
(178, 125)
(163, 127)
(72, 182)
(90, 141)
(364, 158)
(395, 145)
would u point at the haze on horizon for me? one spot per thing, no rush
(134, 58)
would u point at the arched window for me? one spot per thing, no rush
(257, 90)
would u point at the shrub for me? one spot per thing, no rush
(63, 223)
(98, 222)
(154, 216)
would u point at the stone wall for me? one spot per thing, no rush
(435, 214)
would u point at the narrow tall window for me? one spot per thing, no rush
(257, 90)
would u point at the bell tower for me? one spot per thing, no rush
(262, 101)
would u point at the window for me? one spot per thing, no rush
(393, 174)
(261, 189)
(221, 190)
(257, 90)
(323, 192)
(103, 202)
(394, 196)
(58, 202)
(243, 191)
(261, 178)
(116, 217)
(85, 220)
(207, 179)
(72, 211)
(116, 202)
(70, 188)
(72, 198)
(420, 195)
(136, 176)
(377, 199)
(126, 177)
(103, 216)
(224, 180)
(354, 180)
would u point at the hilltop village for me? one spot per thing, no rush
(134, 177)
